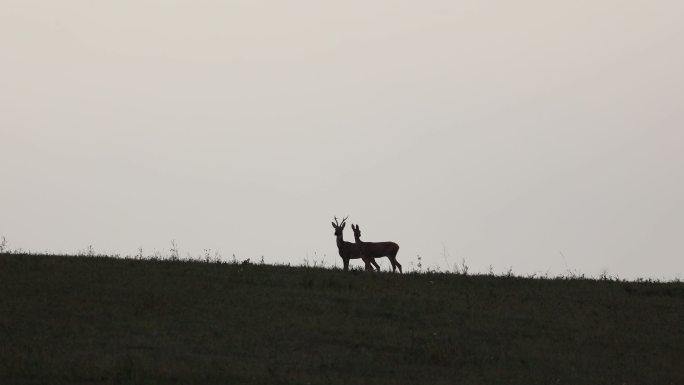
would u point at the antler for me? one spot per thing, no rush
(340, 224)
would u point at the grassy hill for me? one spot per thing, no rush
(105, 320)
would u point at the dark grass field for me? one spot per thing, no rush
(82, 320)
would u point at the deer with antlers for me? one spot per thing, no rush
(349, 250)
(372, 250)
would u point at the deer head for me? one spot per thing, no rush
(357, 232)
(339, 227)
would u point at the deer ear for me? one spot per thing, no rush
(334, 227)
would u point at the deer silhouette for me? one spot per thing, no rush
(350, 250)
(372, 250)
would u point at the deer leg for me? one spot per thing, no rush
(391, 261)
(346, 263)
(367, 263)
(377, 267)
(395, 263)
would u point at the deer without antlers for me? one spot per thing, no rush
(349, 250)
(372, 250)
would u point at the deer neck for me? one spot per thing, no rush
(340, 241)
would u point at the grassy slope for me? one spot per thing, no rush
(101, 320)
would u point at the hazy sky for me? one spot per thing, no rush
(502, 132)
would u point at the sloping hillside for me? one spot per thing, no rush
(104, 320)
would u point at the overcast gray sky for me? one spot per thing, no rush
(500, 132)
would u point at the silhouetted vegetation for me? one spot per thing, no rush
(101, 320)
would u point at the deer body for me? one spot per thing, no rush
(372, 250)
(349, 250)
